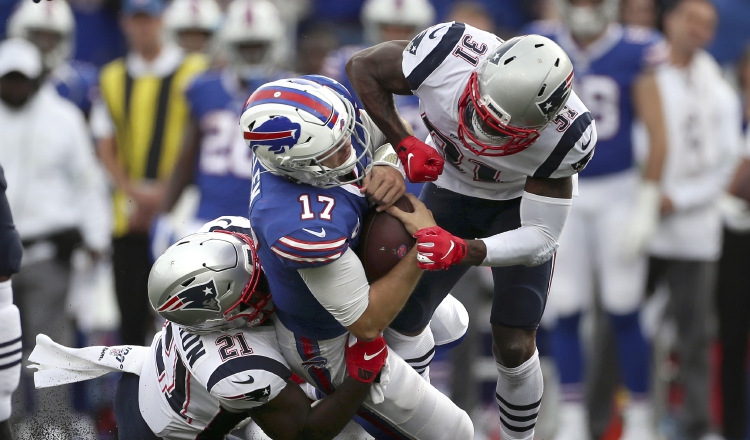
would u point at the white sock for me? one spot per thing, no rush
(10, 348)
(519, 394)
(417, 351)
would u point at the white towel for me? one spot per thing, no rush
(58, 365)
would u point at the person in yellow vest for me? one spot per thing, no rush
(139, 123)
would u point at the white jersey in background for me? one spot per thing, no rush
(191, 383)
(438, 64)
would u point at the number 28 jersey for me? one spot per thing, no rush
(437, 63)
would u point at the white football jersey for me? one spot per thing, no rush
(190, 381)
(438, 64)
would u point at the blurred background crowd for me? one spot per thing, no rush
(118, 134)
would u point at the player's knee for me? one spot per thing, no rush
(450, 322)
(10, 252)
(512, 346)
(464, 427)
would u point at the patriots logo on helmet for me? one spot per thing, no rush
(550, 106)
(278, 134)
(198, 297)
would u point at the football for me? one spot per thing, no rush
(384, 241)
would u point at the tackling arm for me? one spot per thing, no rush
(290, 416)
(375, 74)
(544, 209)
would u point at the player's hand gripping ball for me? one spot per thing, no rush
(438, 249)
(364, 360)
(421, 162)
(384, 241)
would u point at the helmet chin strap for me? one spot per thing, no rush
(483, 136)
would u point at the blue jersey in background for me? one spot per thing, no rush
(604, 77)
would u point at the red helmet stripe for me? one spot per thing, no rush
(251, 136)
(291, 96)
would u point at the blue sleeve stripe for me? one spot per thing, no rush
(439, 53)
(564, 145)
(246, 363)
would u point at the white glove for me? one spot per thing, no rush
(735, 211)
(644, 221)
(377, 391)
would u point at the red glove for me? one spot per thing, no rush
(421, 162)
(438, 249)
(365, 359)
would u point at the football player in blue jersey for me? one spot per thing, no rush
(50, 26)
(314, 164)
(618, 208)
(214, 156)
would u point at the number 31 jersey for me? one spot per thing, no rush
(437, 63)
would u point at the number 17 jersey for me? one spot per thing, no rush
(438, 63)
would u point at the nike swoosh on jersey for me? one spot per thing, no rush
(320, 234)
(408, 160)
(248, 381)
(370, 356)
(432, 34)
(585, 146)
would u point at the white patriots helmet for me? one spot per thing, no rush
(589, 21)
(294, 125)
(254, 38)
(192, 15)
(419, 14)
(210, 281)
(514, 93)
(54, 17)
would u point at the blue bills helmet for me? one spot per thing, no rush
(296, 126)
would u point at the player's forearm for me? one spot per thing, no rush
(648, 108)
(107, 151)
(365, 72)
(542, 222)
(388, 296)
(330, 415)
(740, 185)
(183, 171)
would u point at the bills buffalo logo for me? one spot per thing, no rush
(316, 362)
(198, 297)
(550, 106)
(278, 134)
